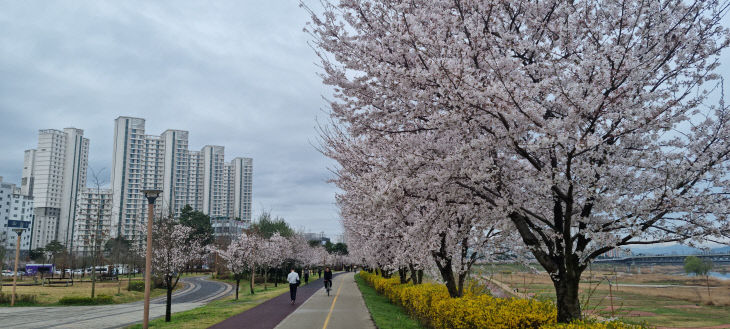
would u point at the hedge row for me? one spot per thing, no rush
(135, 285)
(75, 300)
(432, 306)
(19, 299)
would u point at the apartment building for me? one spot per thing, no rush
(53, 175)
(16, 211)
(54, 180)
(240, 180)
(201, 179)
(195, 180)
(126, 175)
(26, 184)
(93, 220)
(175, 173)
(214, 189)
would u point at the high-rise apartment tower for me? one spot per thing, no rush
(201, 179)
(53, 174)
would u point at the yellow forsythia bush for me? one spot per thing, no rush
(431, 304)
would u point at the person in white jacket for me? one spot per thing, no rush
(293, 279)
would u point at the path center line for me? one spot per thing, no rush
(327, 320)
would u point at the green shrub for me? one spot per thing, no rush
(19, 299)
(139, 285)
(76, 300)
(135, 286)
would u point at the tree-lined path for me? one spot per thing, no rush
(344, 308)
(198, 291)
(311, 309)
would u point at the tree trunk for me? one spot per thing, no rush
(462, 279)
(568, 301)
(93, 281)
(276, 277)
(414, 274)
(266, 277)
(707, 279)
(168, 307)
(447, 274)
(443, 263)
(253, 273)
(420, 276)
(402, 272)
(238, 283)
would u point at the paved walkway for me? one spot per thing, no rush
(310, 310)
(269, 313)
(343, 309)
(198, 291)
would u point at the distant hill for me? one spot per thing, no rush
(677, 250)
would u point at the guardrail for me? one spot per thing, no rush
(670, 259)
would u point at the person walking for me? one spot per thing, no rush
(319, 272)
(293, 279)
(306, 276)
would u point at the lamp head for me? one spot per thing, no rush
(151, 195)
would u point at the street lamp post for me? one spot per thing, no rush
(151, 195)
(19, 231)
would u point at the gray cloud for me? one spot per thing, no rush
(238, 74)
(233, 73)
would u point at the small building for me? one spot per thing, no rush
(16, 211)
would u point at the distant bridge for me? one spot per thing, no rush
(656, 260)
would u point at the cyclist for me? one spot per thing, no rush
(327, 279)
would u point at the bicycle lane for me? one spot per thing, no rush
(270, 313)
(344, 308)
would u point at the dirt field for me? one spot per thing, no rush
(657, 295)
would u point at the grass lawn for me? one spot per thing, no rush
(385, 314)
(49, 295)
(219, 310)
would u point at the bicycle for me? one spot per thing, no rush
(328, 286)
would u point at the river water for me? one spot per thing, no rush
(724, 276)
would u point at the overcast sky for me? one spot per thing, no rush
(233, 73)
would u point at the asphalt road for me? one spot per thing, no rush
(198, 291)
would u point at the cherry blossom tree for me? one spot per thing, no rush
(317, 256)
(256, 247)
(408, 231)
(585, 124)
(237, 258)
(249, 252)
(172, 252)
(276, 250)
